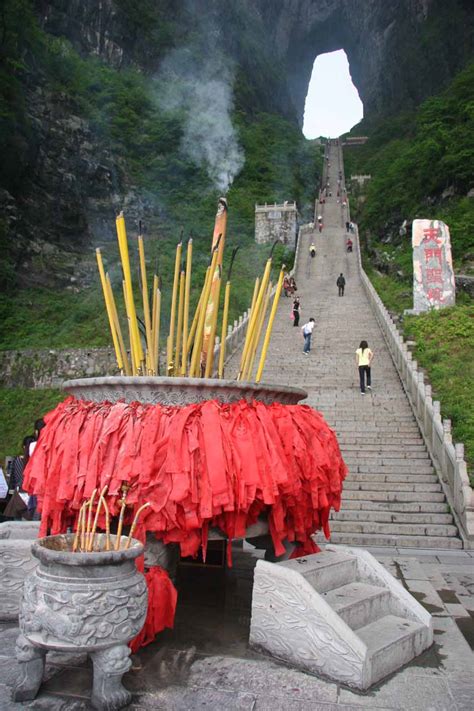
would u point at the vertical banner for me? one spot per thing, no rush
(433, 275)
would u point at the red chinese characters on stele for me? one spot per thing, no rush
(433, 275)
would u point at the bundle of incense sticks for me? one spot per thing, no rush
(85, 539)
(189, 348)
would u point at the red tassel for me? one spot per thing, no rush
(162, 598)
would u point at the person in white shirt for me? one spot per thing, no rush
(307, 333)
(364, 358)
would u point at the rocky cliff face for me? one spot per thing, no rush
(399, 52)
(69, 184)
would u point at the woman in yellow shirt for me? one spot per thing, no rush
(364, 358)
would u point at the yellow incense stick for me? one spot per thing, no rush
(146, 305)
(90, 544)
(109, 309)
(225, 317)
(156, 330)
(89, 517)
(174, 298)
(78, 529)
(83, 524)
(212, 332)
(195, 367)
(179, 327)
(133, 353)
(254, 317)
(134, 524)
(192, 330)
(271, 319)
(125, 488)
(123, 350)
(218, 242)
(187, 291)
(256, 312)
(252, 306)
(107, 523)
(258, 333)
(124, 256)
(153, 319)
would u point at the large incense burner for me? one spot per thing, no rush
(179, 391)
(211, 457)
(182, 392)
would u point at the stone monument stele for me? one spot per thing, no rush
(433, 275)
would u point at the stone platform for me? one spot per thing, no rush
(205, 662)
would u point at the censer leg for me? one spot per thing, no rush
(110, 665)
(31, 660)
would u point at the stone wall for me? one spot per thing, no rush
(276, 222)
(465, 283)
(48, 368)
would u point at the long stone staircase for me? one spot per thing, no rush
(392, 495)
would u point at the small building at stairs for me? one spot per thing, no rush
(276, 222)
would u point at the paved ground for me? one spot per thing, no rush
(205, 662)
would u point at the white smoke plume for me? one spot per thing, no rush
(201, 85)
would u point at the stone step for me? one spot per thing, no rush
(362, 439)
(400, 462)
(390, 456)
(385, 447)
(351, 484)
(391, 642)
(326, 570)
(374, 540)
(404, 529)
(408, 468)
(392, 517)
(373, 430)
(396, 506)
(393, 478)
(391, 495)
(375, 422)
(358, 603)
(345, 413)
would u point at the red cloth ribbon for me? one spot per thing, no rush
(201, 465)
(162, 598)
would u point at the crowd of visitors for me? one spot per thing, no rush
(364, 355)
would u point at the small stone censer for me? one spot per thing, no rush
(86, 595)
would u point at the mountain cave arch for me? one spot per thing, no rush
(332, 105)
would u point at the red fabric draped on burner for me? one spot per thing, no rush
(202, 465)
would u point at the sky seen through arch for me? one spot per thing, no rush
(332, 104)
